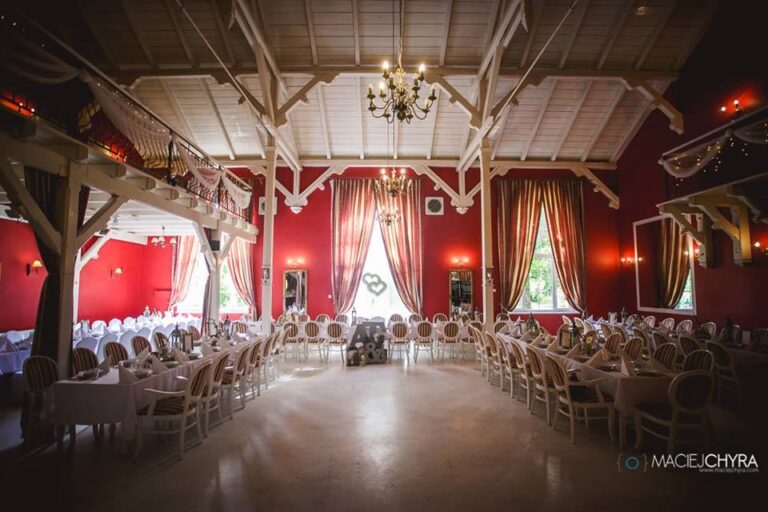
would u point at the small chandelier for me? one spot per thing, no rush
(389, 215)
(393, 182)
(399, 97)
(159, 241)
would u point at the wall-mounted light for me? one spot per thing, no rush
(629, 261)
(294, 262)
(759, 248)
(116, 272)
(460, 260)
(34, 266)
(735, 107)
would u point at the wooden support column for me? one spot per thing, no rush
(269, 236)
(83, 258)
(487, 232)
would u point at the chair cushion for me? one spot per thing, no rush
(170, 406)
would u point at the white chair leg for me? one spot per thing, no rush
(181, 437)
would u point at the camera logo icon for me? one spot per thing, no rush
(632, 463)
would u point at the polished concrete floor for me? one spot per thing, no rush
(380, 438)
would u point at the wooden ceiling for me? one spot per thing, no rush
(584, 107)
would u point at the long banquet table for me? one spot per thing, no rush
(627, 391)
(107, 400)
(12, 362)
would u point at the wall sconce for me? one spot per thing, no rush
(116, 272)
(736, 106)
(460, 261)
(294, 262)
(629, 261)
(764, 250)
(35, 265)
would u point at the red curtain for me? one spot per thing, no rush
(239, 261)
(351, 226)
(183, 266)
(564, 213)
(402, 241)
(519, 211)
(674, 263)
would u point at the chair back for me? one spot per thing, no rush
(83, 359)
(303, 318)
(477, 325)
(668, 324)
(691, 392)
(239, 327)
(451, 331)
(634, 348)
(660, 339)
(115, 325)
(291, 331)
(688, 345)
(606, 329)
(476, 335)
(414, 318)
(40, 372)
(558, 374)
(312, 330)
(201, 377)
(684, 327)
(439, 317)
(89, 343)
(335, 330)
(613, 343)
(241, 363)
(140, 343)
(759, 339)
(723, 359)
(256, 350)
(195, 332)
(396, 317)
(424, 330)
(161, 340)
(322, 319)
(666, 355)
(699, 360)
(342, 319)
(650, 321)
(499, 326)
(489, 340)
(115, 351)
(400, 330)
(517, 354)
(536, 363)
(711, 328)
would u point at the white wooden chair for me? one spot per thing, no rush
(423, 341)
(449, 339)
(399, 342)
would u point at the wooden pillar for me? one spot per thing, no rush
(269, 236)
(214, 285)
(487, 233)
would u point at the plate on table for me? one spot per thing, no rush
(143, 373)
(561, 351)
(580, 358)
(194, 355)
(608, 367)
(171, 364)
(87, 375)
(647, 372)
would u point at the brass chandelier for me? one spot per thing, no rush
(393, 182)
(399, 96)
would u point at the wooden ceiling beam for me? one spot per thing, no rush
(170, 7)
(446, 30)
(621, 19)
(311, 31)
(577, 23)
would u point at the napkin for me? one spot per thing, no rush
(105, 365)
(225, 344)
(552, 347)
(157, 366)
(179, 356)
(626, 366)
(125, 376)
(575, 351)
(600, 357)
(7, 346)
(142, 356)
(206, 349)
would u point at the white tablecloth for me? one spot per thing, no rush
(12, 362)
(106, 400)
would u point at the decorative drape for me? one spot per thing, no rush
(239, 261)
(351, 227)
(402, 242)
(43, 186)
(31, 61)
(186, 251)
(519, 211)
(563, 209)
(673, 265)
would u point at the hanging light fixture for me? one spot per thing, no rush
(390, 215)
(393, 182)
(400, 96)
(159, 241)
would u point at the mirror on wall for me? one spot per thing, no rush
(460, 286)
(295, 290)
(663, 262)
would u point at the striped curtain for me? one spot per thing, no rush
(518, 210)
(674, 263)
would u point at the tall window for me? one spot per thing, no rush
(686, 299)
(228, 297)
(542, 290)
(377, 294)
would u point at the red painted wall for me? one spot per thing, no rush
(306, 235)
(145, 279)
(720, 70)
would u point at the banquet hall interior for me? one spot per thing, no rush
(383, 254)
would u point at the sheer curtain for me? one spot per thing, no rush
(563, 209)
(183, 266)
(674, 263)
(519, 211)
(402, 241)
(239, 261)
(351, 226)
